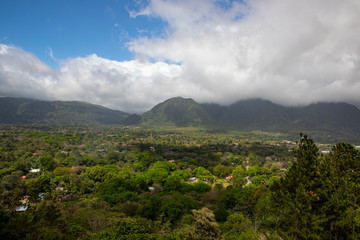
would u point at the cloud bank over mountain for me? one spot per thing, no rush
(290, 52)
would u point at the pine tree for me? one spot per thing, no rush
(299, 195)
(343, 207)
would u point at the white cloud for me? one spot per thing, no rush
(288, 51)
(23, 74)
(132, 86)
(129, 86)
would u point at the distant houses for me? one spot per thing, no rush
(101, 150)
(193, 179)
(21, 208)
(24, 204)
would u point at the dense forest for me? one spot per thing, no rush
(136, 183)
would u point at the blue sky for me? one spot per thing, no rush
(132, 54)
(71, 28)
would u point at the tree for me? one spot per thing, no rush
(300, 195)
(253, 170)
(33, 188)
(202, 173)
(343, 204)
(222, 171)
(47, 163)
(101, 173)
(158, 175)
(201, 187)
(238, 227)
(205, 226)
(238, 177)
(176, 204)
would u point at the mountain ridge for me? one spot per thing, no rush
(33, 111)
(334, 118)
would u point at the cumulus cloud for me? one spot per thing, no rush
(131, 86)
(23, 74)
(288, 51)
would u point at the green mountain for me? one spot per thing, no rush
(255, 114)
(177, 112)
(30, 111)
(329, 118)
(322, 120)
(133, 119)
(335, 120)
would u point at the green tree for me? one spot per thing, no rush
(300, 195)
(222, 171)
(33, 188)
(100, 173)
(157, 176)
(47, 163)
(201, 187)
(177, 204)
(202, 173)
(343, 206)
(238, 227)
(238, 177)
(205, 226)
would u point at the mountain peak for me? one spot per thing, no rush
(176, 111)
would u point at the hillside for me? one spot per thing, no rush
(325, 121)
(255, 114)
(179, 112)
(30, 111)
(333, 121)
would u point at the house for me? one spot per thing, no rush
(64, 197)
(228, 178)
(34, 170)
(21, 208)
(42, 195)
(24, 204)
(155, 190)
(101, 150)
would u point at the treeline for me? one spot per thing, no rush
(131, 183)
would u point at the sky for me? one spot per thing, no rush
(132, 54)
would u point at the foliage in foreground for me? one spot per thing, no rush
(135, 184)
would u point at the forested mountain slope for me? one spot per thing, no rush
(30, 111)
(335, 120)
(178, 111)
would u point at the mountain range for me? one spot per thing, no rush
(322, 119)
(30, 111)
